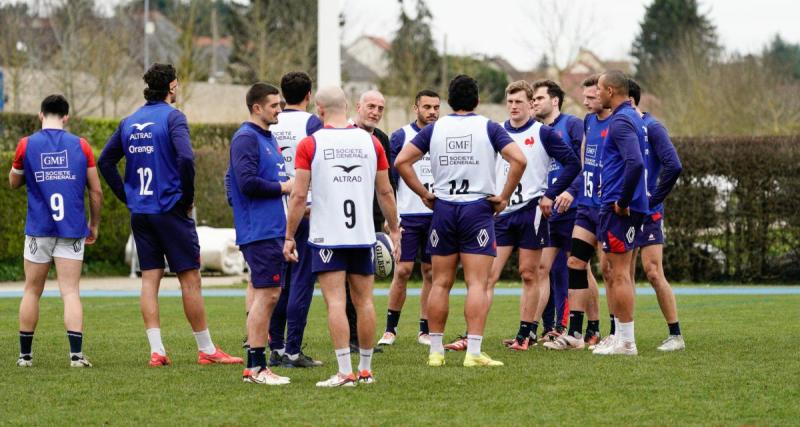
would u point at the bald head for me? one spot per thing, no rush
(612, 88)
(616, 80)
(369, 110)
(370, 95)
(331, 99)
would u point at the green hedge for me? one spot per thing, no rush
(13, 126)
(738, 201)
(733, 216)
(209, 141)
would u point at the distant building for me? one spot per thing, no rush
(364, 63)
(216, 65)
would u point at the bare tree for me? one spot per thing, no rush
(188, 58)
(563, 30)
(739, 96)
(73, 29)
(14, 48)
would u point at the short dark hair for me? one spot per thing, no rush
(158, 77)
(55, 105)
(591, 80)
(634, 91)
(462, 93)
(258, 93)
(295, 86)
(553, 90)
(425, 92)
(619, 81)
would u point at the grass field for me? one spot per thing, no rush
(741, 367)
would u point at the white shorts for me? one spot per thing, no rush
(42, 250)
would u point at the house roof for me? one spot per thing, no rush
(379, 41)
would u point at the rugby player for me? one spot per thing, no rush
(291, 312)
(159, 191)
(463, 147)
(415, 222)
(662, 169)
(548, 98)
(583, 293)
(258, 182)
(523, 223)
(56, 167)
(623, 205)
(347, 166)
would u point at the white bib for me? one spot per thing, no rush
(533, 182)
(343, 174)
(408, 202)
(463, 159)
(290, 130)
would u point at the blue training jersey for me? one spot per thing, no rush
(152, 179)
(54, 163)
(570, 129)
(595, 131)
(255, 171)
(622, 175)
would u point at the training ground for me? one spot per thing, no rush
(741, 367)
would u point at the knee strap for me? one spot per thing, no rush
(582, 250)
(578, 279)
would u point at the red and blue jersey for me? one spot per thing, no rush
(662, 164)
(570, 129)
(159, 163)
(54, 163)
(596, 131)
(256, 170)
(622, 176)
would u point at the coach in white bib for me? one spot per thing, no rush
(346, 165)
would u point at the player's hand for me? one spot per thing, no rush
(546, 205)
(286, 186)
(620, 211)
(498, 203)
(92, 238)
(396, 236)
(429, 200)
(189, 211)
(307, 213)
(290, 250)
(563, 202)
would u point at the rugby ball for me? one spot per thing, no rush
(384, 263)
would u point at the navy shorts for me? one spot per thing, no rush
(414, 238)
(519, 228)
(561, 233)
(588, 218)
(350, 260)
(172, 235)
(300, 271)
(462, 228)
(266, 262)
(651, 231)
(618, 233)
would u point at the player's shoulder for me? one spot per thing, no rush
(399, 134)
(650, 121)
(572, 119)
